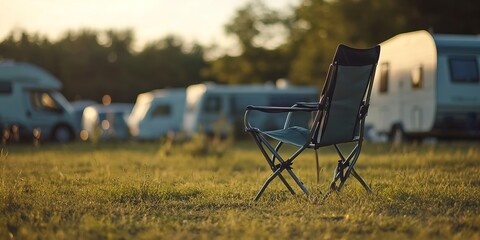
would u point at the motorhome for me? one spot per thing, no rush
(212, 108)
(31, 104)
(157, 113)
(427, 85)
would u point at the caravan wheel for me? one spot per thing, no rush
(397, 135)
(62, 134)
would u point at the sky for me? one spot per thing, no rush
(201, 21)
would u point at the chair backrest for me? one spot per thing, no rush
(346, 91)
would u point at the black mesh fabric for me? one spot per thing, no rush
(347, 56)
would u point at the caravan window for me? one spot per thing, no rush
(417, 77)
(43, 101)
(161, 111)
(464, 69)
(5, 88)
(384, 69)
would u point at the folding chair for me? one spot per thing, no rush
(339, 118)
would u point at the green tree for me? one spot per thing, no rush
(444, 16)
(317, 26)
(169, 63)
(82, 64)
(321, 25)
(91, 63)
(259, 61)
(297, 45)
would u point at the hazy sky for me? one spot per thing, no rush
(199, 20)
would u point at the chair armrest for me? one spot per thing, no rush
(268, 109)
(313, 105)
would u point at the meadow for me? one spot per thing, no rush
(161, 190)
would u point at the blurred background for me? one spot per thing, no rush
(123, 48)
(120, 49)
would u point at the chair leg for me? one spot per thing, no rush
(333, 188)
(339, 173)
(299, 183)
(263, 145)
(333, 184)
(318, 166)
(286, 184)
(269, 179)
(360, 179)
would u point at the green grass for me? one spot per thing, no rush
(144, 191)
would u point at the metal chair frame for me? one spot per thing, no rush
(346, 164)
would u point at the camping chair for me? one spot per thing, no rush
(339, 118)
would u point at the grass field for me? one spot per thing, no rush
(158, 191)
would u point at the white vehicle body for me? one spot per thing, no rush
(78, 107)
(30, 100)
(212, 108)
(427, 86)
(156, 113)
(106, 122)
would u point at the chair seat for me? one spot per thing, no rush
(295, 135)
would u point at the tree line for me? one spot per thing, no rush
(91, 63)
(297, 44)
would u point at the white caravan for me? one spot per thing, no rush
(427, 86)
(106, 122)
(215, 108)
(31, 104)
(157, 113)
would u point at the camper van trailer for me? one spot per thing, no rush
(31, 104)
(427, 85)
(217, 109)
(157, 113)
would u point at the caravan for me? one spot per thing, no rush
(427, 85)
(106, 122)
(31, 104)
(157, 113)
(213, 108)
